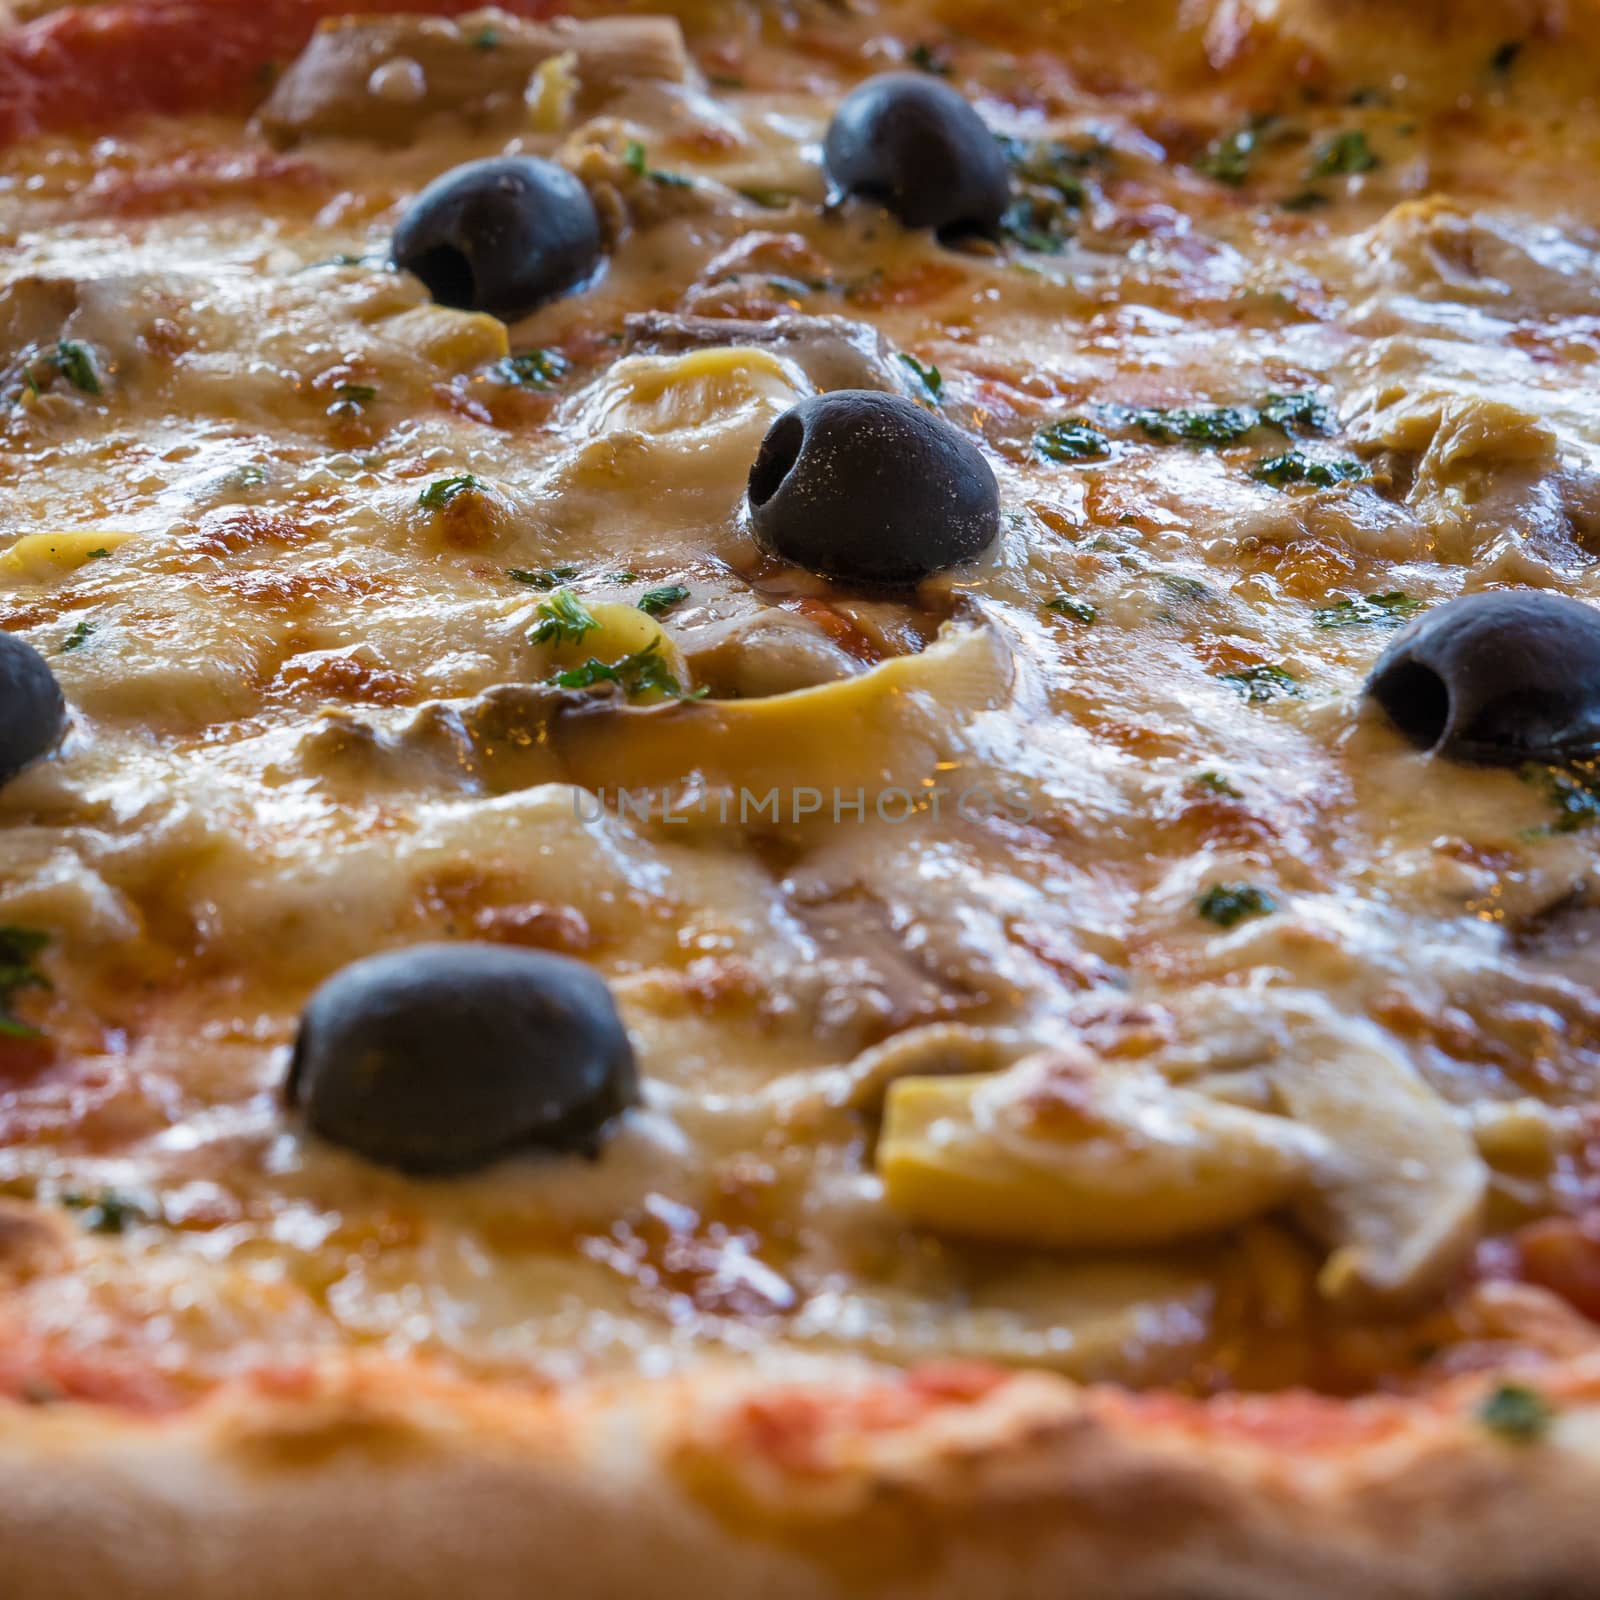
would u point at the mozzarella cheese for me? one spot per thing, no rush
(309, 722)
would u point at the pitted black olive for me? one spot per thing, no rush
(1500, 677)
(502, 236)
(915, 146)
(443, 1057)
(32, 712)
(868, 488)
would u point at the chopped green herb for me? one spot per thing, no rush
(97, 555)
(1574, 791)
(533, 369)
(249, 476)
(1260, 684)
(1215, 783)
(928, 377)
(1228, 904)
(1228, 157)
(645, 670)
(31, 381)
(360, 393)
(1305, 200)
(19, 970)
(442, 491)
(637, 162)
(486, 39)
(1517, 1413)
(1505, 58)
(1049, 190)
(926, 59)
(78, 635)
(106, 1212)
(659, 601)
(1205, 425)
(1292, 467)
(550, 578)
(1065, 605)
(564, 620)
(623, 577)
(1181, 587)
(342, 260)
(1343, 156)
(76, 365)
(1071, 439)
(1367, 95)
(724, 80)
(1368, 611)
(1289, 412)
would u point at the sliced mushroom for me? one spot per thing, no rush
(833, 352)
(376, 78)
(1401, 1202)
(1063, 1149)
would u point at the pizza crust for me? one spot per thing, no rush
(957, 1483)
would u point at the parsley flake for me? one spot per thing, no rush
(19, 970)
(1388, 610)
(1573, 790)
(1292, 468)
(1345, 155)
(564, 620)
(74, 362)
(486, 39)
(1505, 58)
(360, 393)
(1071, 439)
(926, 59)
(1228, 157)
(1258, 685)
(1204, 425)
(549, 578)
(78, 636)
(1517, 1413)
(658, 602)
(533, 369)
(928, 377)
(641, 673)
(1066, 605)
(1215, 783)
(106, 1212)
(442, 491)
(1229, 904)
(97, 555)
(638, 163)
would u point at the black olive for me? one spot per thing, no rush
(914, 145)
(443, 1057)
(501, 236)
(32, 712)
(1500, 677)
(869, 488)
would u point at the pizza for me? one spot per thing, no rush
(799, 799)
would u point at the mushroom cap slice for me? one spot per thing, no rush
(1063, 1149)
(1401, 1203)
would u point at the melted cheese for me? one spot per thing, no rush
(288, 673)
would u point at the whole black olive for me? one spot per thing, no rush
(443, 1057)
(1499, 677)
(915, 146)
(32, 712)
(502, 236)
(869, 488)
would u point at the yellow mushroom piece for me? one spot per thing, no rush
(1065, 1150)
(898, 727)
(684, 424)
(622, 634)
(42, 556)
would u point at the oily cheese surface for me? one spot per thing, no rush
(1106, 989)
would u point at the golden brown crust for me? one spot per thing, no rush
(392, 1482)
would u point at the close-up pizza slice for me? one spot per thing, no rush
(799, 799)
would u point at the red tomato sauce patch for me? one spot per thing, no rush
(79, 70)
